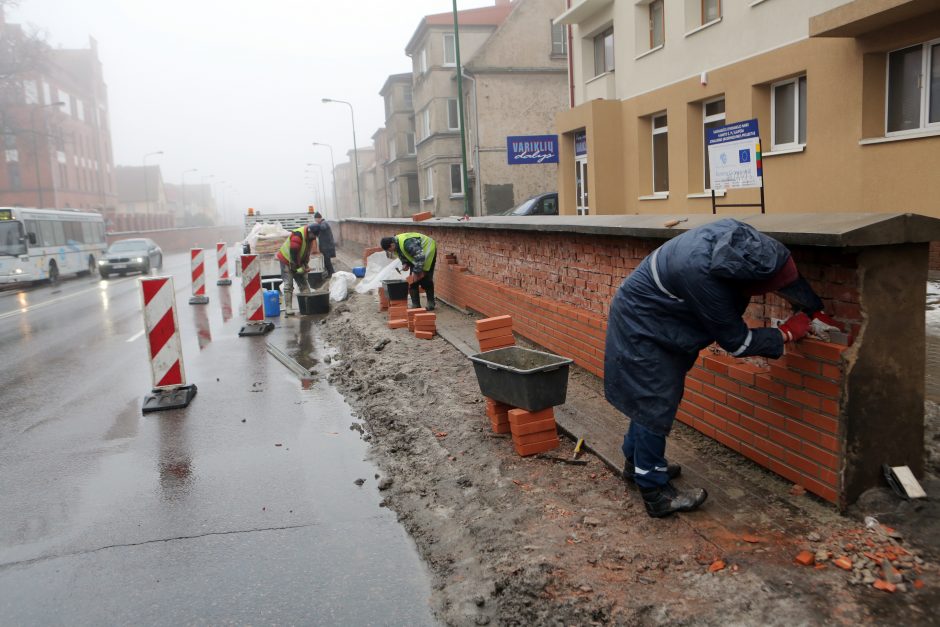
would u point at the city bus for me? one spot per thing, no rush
(45, 244)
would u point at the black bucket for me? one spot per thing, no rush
(314, 303)
(521, 377)
(396, 289)
(315, 279)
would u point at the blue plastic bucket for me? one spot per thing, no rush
(359, 271)
(272, 303)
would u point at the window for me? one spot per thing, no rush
(13, 176)
(713, 116)
(9, 139)
(660, 154)
(456, 179)
(48, 233)
(393, 192)
(429, 183)
(410, 142)
(409, 104)
(31, 92)
(59, 232)
(80, 109)
(391, 149)
(423, 61)
(604, 52)
(657, 24)
(412, 189)
(711, 10)
(46, 93)
(788, 113)
(453, 114)
(913, 91)
(559, 40)
(67, 107)
(425, 123)
(450, 50)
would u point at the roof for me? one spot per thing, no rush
(395, 78)
(483, 16)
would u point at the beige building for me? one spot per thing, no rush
(845, 92)
(517, 84)
(374, 178)
(432, 49)
(401, 163)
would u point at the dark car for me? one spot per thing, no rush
(130, 255)
(538, 205)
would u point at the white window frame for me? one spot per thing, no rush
(456, 193)
(703, 19)
(423, 61)
(659, 131)
(429, 183)
(424, 118)
(456, 111)
(448, 62)
(715, 117)
(558, 29)
(610, 63)
(796, 143)
(649, 7)
(925, 69)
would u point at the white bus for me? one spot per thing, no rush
(37, 244)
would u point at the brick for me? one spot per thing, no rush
(734, 430)
(771, 448)
(804, 465)
(727, 385)
(425, 317)
(500, 427)
(828, 406)
(783, 374)
(797, 362)
(493, 323)
(537, 447)
(743, 372)
(764, 382)
(497, 332)
(424, 335)
(420, 217)
(755, 426)
(805, 558)
(531, 438)
(693, 411)
(741, 405)
(523, 416)
(784, 439)
(826, 458)
(788, 409)
(716, 365)
(755, 396)
(497, 415)
(821, 386)
(400, 323)
(497, 342)
(821, 421)
(832, 372)
(700, 374)
(502, 407)
(533, 427)
(822, 350)
(726, 412)
(714, 393)
(770, 417)
(803, 397)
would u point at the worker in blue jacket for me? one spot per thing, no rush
(690, 292)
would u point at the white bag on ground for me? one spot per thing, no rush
(339, 285)
(374, 277)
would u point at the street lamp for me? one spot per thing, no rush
(332, 176)
(355, 150)
(32, 125)
(147, 183)
(183, 187)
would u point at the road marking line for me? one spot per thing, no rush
(23, 310)
(135, 336)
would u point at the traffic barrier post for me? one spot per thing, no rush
(168, 378)
(220, 253)
(196, 262)
(254, 305)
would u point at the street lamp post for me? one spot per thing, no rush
(147, 182)
(183, 187)
(355, 149)
(332, 176)
(32, 124)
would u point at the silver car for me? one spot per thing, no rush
(130, 255)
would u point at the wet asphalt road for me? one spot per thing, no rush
(194, 516)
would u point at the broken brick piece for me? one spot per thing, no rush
(797, 490)
(752, 539)
(716, 566)
(492, 323)
(522, 416)
(843, 562)
(805, 558)
(881, 584)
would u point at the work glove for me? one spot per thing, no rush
(795, 328)
(827, 320)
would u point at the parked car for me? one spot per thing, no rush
(130, 255)
(538, 205)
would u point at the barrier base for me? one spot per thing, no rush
(256, 328)
(224, 282)
(177, 398)
(199, 300)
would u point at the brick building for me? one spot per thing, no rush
(56, 131)
(142, 199)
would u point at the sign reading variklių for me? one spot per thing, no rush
(527, 149)
(734, 159)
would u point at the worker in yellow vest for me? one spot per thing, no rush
(417, 252)
(294, 256)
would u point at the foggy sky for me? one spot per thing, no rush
(233, 87)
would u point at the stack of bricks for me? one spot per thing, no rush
(398, 314)
(425, 325)
(498, 414)
(533, 431)
(411, 316)
(493, 333)
(383, 299)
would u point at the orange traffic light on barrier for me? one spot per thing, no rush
(251, 211)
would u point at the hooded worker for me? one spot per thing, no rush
(690, 292)
(417, 252)
(294, 255)
(326, 243)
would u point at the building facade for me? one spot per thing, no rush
(401, 163)
(432, 49)
(56, 130)
(845, 92)
(142, 200)
(375, 179)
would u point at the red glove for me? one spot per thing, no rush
(795, 328)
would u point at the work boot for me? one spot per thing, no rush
(429, 292)
(415, 298)
(288, 304)
(673, 470)
(666, 500)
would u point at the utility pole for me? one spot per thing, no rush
(460, 114)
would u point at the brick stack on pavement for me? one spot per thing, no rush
(493, 333)
(383, 300)
(498, 414)
(425, 325)
(397, 314)
(411, 316)
(533, 431)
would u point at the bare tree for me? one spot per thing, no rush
(24, 55)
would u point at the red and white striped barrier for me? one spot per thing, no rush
(254, 306)
(220, 253)
(163, 344)
(198, 266)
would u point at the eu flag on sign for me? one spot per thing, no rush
(744, 156)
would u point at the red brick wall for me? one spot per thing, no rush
(783, 414)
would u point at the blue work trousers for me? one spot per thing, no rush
(646, 451)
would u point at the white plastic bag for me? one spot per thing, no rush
(374, 277)
(339, 285)
(265, 230)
